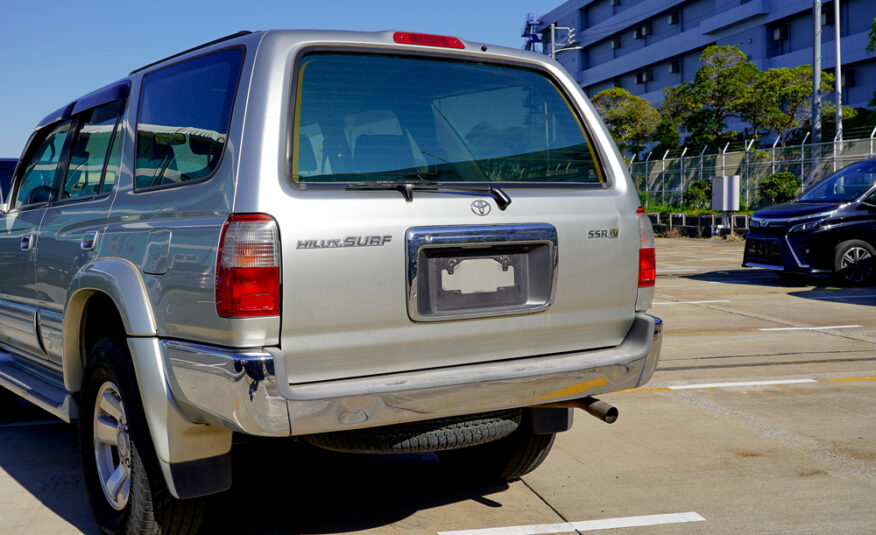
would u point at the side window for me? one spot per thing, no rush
(5, 180)
(38, 177)
(183, 119)
(88, 156)
(113, 161)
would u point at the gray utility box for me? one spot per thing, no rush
(725, 193)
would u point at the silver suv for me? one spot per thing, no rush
(376, 242)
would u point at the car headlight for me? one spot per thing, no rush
(806, 226)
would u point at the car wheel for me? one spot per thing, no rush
(853, 262)
(505, 459)
(124, 484)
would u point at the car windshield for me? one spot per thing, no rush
(366, 118)
(845, 185)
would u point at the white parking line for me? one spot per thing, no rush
(587, 525)
(811, 328)
(692, 302)
(743, 383)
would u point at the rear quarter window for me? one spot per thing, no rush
(183, 119)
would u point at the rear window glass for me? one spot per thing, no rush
(183, 119)
(368, 118)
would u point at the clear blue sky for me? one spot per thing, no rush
(53, 51)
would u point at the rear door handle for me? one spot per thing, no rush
(27, 242)
(88, 241)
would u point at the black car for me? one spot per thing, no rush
(7, 167)
(829, 229)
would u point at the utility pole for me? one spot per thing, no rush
(839, 72)
(816, 72)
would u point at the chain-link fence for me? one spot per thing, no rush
(664, 180)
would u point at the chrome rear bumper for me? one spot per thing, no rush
(239, 389)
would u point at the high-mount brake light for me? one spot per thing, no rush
(427, 39)
(248, 267)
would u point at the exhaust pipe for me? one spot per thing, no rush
(600, 409)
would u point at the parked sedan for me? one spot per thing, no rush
(7, 167)
(829, 229)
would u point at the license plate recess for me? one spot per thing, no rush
(480, 271)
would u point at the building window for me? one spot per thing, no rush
(778, 41)
(848, 78)
(674, 17)
(644, 76)
(615, 41)
(827, 15)
(617, 82)
(674, 66)
(614, 2)
(642, 31)
(780, 33)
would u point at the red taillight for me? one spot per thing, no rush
(647, 258)
(248, 267)
(426, 39)
(647, 268)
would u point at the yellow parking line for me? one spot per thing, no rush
(850, 379)
(671, 389)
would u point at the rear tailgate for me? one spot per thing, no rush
(388, 265)
(346, 310)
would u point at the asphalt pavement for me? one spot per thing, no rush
(761, 418)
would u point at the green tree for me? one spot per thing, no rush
(703, 107)
(777, 188)
(755, 106)
(791, 91)
(630, 119)
(872, 43)
(698, 196)
(666, 136)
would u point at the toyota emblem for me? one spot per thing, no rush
(481, 207)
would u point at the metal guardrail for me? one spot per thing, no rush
(664, 181)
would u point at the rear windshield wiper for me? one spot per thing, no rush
(407, 189)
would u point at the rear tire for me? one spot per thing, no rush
(415, 437)
(853, 262)
(505, 459)
(124, 484)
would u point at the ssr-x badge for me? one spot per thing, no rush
(481, 207)
(608, 233)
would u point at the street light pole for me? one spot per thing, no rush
(839, 72)
(816, 72)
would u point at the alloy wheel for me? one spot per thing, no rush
(856, 264)
(112, 446)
